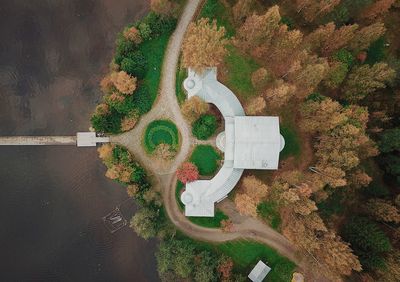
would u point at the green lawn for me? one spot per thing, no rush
(214, 9)
(240, 67)
(154, 50)
(246, 254)
(292, 142)
(269, 212)
(210, 222)
(180, 92)
(206, 158)
(178, 190)
(160, 131)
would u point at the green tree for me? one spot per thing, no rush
(390, 140)
(204, 126)
(177, 256)
(135, 64)
(145, 223)
(369, 242)
(205, 271)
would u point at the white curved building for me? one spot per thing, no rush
(248, 142)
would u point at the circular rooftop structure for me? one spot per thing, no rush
(186, 197)
(221, 141)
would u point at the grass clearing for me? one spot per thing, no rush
(268, 211)
(155, 60)
(239, 69)
(206, 158)
(179, 91)
(161, 131)
(178, 191)
(292, 142)
(210, 222)
(215, 9)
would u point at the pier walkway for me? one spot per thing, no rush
(82, 139)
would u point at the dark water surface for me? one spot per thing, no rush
(52, 56)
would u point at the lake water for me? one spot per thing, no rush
(52, 55)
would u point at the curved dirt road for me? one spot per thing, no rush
(167, 106)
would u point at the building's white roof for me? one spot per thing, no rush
(259, 272)
(250, 142)
(257, 142)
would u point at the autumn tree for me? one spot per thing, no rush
(193, 108)
(124, 83)
(338, 256)
(225, 267)
(254, 188)
(323, 115)
(312, 71)
(311, 9)
(376, 9)
(132, 190)
(204, 45)
(187, 172)
(255, 106)
(245, 205)
(227, 225)
(260, 78)
(383, 210)
(132, 34)
(366, 35)
(391, 272)
(164, 7)
(258, 30)
(105, 153)
(366, 79)
(129, 121)
(280, 94)
(164, 152)
(242, 9)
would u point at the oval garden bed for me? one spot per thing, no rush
(161, 132)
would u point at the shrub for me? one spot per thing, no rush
(142, 99)
(135, 64)
(160, 24)
(193, 108)
(110, 123)
(187, 172)
(125, 83)
(145, 31)
(204, 127)
(205, 157)
(122, 106)
(123, 49)
(345, 57)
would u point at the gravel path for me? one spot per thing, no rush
(166, 107)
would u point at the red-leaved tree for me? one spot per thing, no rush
(187, 172)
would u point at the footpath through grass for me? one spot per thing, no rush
(206, 158)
